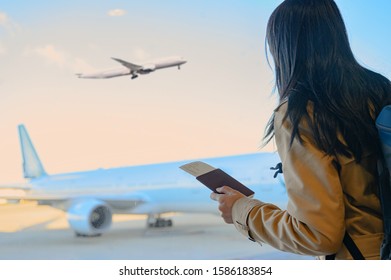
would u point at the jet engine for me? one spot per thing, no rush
(89, 217)
(147, 69)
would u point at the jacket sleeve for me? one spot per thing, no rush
(313, 223)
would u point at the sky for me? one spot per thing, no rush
(218, 104)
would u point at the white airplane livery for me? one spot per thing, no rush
(135, 69)
(91, 198)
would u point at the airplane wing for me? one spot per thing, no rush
(132, 198)
(130, 69)
(131, 66)
(21, 186)
(114, 200)
(33, 197)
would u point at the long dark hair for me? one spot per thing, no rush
(314, 63)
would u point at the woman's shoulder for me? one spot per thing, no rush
(282, 106)
(280, 113)
(282, 120)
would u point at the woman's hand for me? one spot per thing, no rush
(226, 199)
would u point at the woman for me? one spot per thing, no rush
(326, 138)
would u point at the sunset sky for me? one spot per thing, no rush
(217, 104)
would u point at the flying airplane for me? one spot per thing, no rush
(135, 69)
(90, 198)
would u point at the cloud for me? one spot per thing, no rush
(60, 58)
(116, 13)
(7, 23)
(3, 18)
(51, 54)
(2, 49)
(140, 53)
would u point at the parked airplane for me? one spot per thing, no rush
(90, 198)
(135, 69)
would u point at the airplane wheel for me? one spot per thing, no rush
(160, 223)
(87, 235)
(156, 222)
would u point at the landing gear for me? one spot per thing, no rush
(78, 234)
(155, 221)
(134, 76)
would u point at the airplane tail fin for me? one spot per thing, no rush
(32, 166)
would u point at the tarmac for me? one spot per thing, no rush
(31, 232)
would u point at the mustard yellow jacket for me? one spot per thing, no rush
(323, 201)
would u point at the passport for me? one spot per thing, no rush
(214, 178)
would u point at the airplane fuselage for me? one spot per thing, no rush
(164, 186)
(169, 62)
(135, 69)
